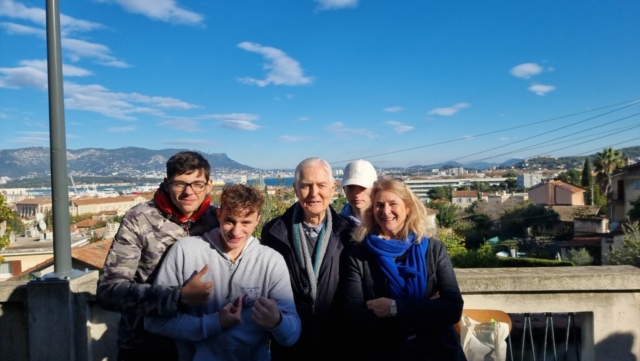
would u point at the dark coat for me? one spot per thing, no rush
(431, 320)
(322, 325)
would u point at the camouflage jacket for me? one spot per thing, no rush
(126, 285)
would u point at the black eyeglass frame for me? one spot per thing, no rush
(183, 185)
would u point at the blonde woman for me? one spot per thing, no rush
(402, 298)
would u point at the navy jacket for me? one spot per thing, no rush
(322, 325)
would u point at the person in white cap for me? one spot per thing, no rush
(357, 181)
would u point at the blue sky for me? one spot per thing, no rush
(270, 83)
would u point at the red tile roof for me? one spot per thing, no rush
(93, 254)
(465, 194)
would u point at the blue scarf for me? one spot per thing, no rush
(407, 278)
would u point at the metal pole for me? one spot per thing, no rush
(57, 133)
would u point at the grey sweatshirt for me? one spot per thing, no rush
(259, 271)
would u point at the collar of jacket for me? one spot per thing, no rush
(281, 230)
(165, 205)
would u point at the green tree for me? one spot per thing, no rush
(587, 181)
(629, 252)
(512, 184)
(515, 221)
(446, 216)
(453, 242)
(14, 224)
(511, 174)
(572, 176)
(273, 207)
(579, 257)
(5, 214)
(599, 198)
(606, 162)
(634, 213)
(443, 193)
(339, 203)
(480, 187)
(478, 258)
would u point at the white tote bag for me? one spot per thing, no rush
(483, 341)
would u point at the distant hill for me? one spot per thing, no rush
(130, 161)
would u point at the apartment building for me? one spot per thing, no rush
(625, 186)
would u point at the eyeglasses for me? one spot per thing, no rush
(179, 186)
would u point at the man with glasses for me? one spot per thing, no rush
(180, 208)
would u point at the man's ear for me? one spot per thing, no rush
(166, 185)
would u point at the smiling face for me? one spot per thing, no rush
(187, 200)
(314, 191)
(235, 230)
(358, 197)
(390, 213)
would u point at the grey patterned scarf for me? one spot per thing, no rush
(310, 265)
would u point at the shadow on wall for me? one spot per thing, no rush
(103, 330)
(95, 330)
(622, 343)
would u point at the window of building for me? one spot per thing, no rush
(636, 185)
(6, 268)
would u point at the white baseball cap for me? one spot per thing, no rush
(359, 172)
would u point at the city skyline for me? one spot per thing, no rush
(398, 84)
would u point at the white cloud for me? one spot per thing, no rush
(541, 89)
(233, 116)
(188, 142)
(18, 29)
(303, 119)
(399, 127)
(162, 10)
(23, 77)
(16, 10)
(121, 129)
(187, 125)
(281, 69)
(445, 112)
(83, 49)
(336, 4)
(238, 124)
(291, 138)
(526, 70)
(394, 109)
(98, 99)
(239, 121)
(75, 49)
(67, 70)
(33, 74)
(338, 129)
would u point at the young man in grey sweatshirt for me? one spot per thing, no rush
(251, 297)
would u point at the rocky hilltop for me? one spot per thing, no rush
(130, 162)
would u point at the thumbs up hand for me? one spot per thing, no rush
(196, 292)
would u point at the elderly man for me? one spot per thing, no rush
(359, 177)
(311, 236)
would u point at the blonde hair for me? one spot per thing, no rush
(416, 222)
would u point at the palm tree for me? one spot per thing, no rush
(605, 163)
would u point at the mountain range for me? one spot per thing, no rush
(136, 162)
(130, 162)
